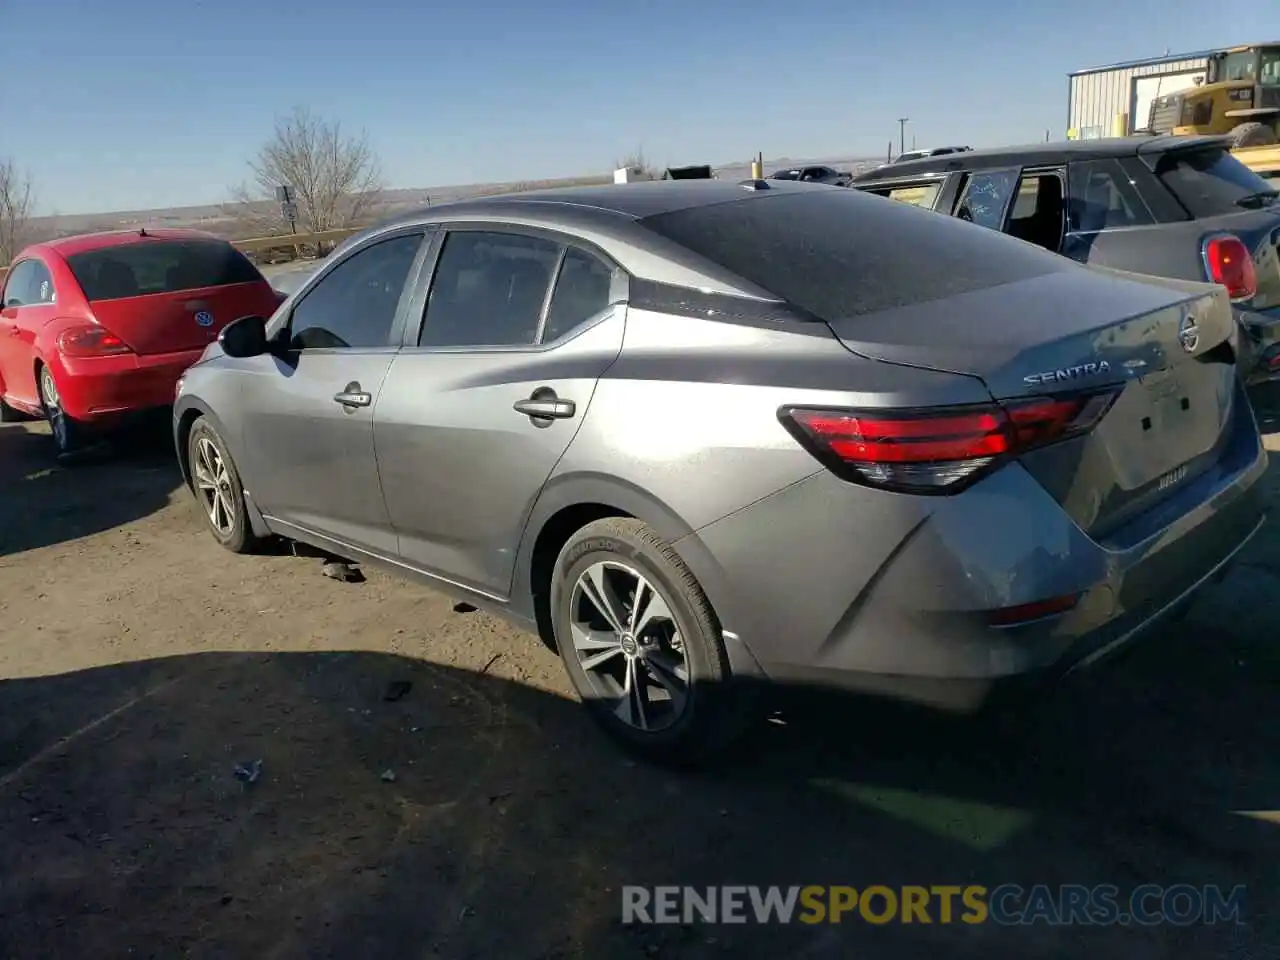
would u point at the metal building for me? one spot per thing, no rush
(1115, 100)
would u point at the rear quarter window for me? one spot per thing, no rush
(1209, 182)
(159, 266)
(843, 254)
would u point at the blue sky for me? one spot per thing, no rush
(125, 104)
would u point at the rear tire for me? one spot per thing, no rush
(68, 433)
(660, 637)
(8, 414)
(1253, 134)
(216, 484)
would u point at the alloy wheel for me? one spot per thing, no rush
(627, 642)
(213, 484)
(58, 424)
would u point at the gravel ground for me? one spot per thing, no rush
(477, 814)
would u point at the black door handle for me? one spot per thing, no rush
(546, 407)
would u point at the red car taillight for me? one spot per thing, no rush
(91, 340)
(1229, 263)
(941, 450)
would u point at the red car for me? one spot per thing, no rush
(96, 327)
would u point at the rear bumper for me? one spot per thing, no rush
(1261, 353)
(105, 388)
(878, 594)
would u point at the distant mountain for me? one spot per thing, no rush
(218, 218)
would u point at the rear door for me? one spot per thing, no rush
(167, 296)
(488, 393)
(307, 410)
(29, 303)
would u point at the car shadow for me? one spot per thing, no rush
(367, 804)
(44, 502)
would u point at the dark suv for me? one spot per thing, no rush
(1176, 207)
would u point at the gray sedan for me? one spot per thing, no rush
(695, 432)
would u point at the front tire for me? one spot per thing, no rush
(1252, 134)
(68, 433)
(642, 644)
(217, 487)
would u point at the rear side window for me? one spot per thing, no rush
(1102, 198)
(919, 195)
(1210, 182)
(159, 266)
(842, 254)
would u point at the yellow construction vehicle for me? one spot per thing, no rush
(1240, 96)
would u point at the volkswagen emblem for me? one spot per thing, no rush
(1189, 334)
(205, 318)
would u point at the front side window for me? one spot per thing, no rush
(918, 195)
(1240, 66)
(40, 286)
(986, 195)
(17, 284)
(488, 290)
(355, 304)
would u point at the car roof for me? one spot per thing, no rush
(85, 242)
(1040, 154)
(619, 202)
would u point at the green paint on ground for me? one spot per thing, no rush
(981, 826)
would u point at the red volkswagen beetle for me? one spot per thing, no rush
(99, 326)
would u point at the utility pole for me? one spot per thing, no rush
(902, 135)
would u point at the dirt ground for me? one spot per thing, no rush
(480, 815)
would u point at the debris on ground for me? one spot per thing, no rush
(463, 607)
(248, 772)
(396, 690)
(492, 660)
(388, 776)
(342, 571)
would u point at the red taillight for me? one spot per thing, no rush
(91, 340)
(939, 450)
(1029, 612)
(1229, 263)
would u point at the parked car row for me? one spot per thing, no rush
(699, 434)
(1177, 207)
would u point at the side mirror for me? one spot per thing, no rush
(246, 337)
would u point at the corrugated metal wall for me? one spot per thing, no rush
(1096, 98)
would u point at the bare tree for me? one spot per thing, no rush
(638, 164)
(17, 200)
(336, 177)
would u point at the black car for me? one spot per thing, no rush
(1176, 207)
(814, 174)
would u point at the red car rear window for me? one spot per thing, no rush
(159, 266)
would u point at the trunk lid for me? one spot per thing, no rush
(1166, 351)
(186, 320)
(166, 294)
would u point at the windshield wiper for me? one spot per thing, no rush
(1262, 198)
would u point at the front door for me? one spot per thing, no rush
(308, 422)
(479, 407)
(28, 304)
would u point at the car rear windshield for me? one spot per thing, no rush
(839, 254)
(1209, 182)
(159, 266)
